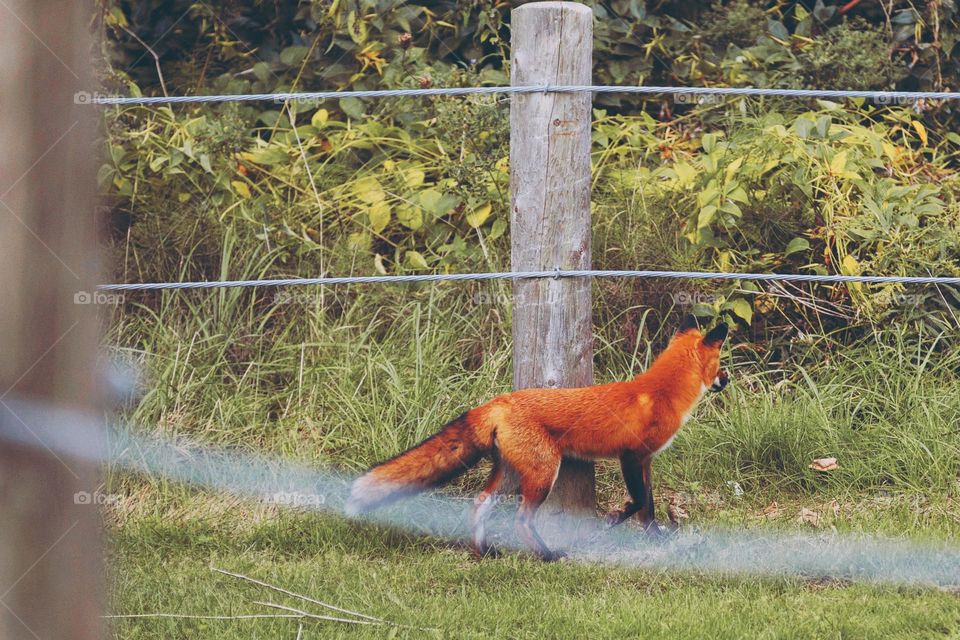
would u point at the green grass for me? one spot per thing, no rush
(379, 370)
(163, 566)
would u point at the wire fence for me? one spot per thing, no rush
(530, 275)
(882, 97)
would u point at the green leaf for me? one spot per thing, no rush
(353, 107)
(823, 126)
(430, 199)
(709, 142)
(796, 246)
(706, 215)
(498, 228)
(803, 127)
(777, 30)
(358, 241)
(739, 194)
(262, 71)
(369, 190)
(294, 55)
(731, 208)
(839, 163)
(740, 308)
(271, 118)
(732, 168)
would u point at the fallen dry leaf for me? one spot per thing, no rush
(824, 464)
(809, 516)
(772, 511)
(676, 513)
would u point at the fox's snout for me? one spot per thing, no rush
(720, 382)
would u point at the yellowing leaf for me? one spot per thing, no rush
(839, 163)
(378, 264)
(921, 131)
(416, 260)
(479, 216)
(369, 190)
(319, 118)
(414, 177)
(379, 214)
(685, 173)
(733, 167)
(266, 155)
(359, 241)
(850, 266)
(241, 188)
(410, 216)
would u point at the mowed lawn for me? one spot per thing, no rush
(162, 563)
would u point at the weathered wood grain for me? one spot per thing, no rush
(50, 573)
(550, 214)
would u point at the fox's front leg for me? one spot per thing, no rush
(636, 475)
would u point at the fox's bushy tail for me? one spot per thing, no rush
(437, 460)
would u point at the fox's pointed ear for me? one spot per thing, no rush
(689, 322)
(716, 336)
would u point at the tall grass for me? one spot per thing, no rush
(372, 371)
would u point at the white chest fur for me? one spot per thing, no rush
(684, 418)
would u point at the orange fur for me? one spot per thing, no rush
(527, 432)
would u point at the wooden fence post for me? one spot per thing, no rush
(552, 43)
(50, 552)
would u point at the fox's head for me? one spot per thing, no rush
(708, 351)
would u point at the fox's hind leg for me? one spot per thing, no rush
(501, 480)
(537, 475)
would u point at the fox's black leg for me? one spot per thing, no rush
(636, 475)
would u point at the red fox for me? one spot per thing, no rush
(527, 433)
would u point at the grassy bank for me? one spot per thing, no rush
(164, 566)
(378, 371)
